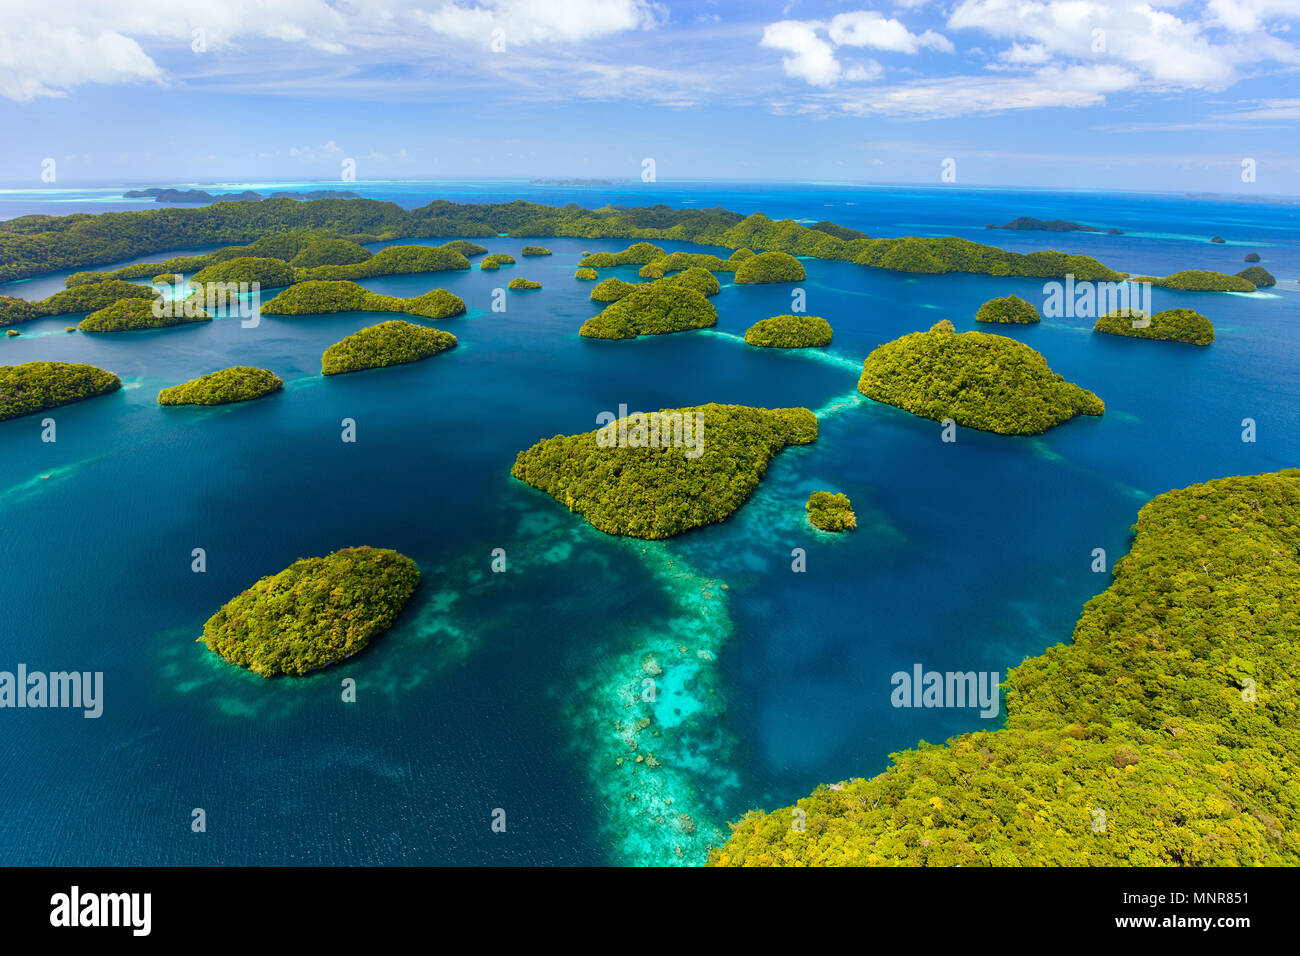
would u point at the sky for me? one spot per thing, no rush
(1180, 95)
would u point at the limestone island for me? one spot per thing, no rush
(37, 386)
(655, 308)
(586, 274)
(241, 383)
(267, 273)
(611, 289)
(465, 247)
(1260, 277)
(496, 261)
(316, 612)
(770, 267)
(1083, 728)
(1200, 280)
(1252, 257)
(85, 298)
(1171, 325)
(323, 296)
(1010, 309)
(394, 260)
(164, 278)
(659, 474)
(789, 332)
(828, 511)
(637, 254)
(989, 382)
(535, 251)
(330, 252)
(521, 284)
(389, 343)
(1044, 225)
(131, 315)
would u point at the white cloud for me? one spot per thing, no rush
(811, 58)
(868, 28)
(532, 22)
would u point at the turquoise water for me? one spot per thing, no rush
(522, 690)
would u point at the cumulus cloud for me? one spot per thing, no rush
(531, 22)
(812, 57)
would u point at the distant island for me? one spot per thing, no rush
(240, 383)
(38, 386)
(828, 511)
(316, 612)
(1258, 276)
(1049, 225)
(638, 476)
(130, 315)
(586, 275)
(1171, 325)
(323, 296)
(389, 343)
(1200, 280)
(162, 194)
(577, 182)
(789, 332)
(1010, 309)
(535, 251)
(989, 382)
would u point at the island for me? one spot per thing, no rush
(330, 252)
(314, 613)
(1258, 276)
(164, 278)
(38, 386)
(394, 260)
(496, 261)
(1083, 730)
(521, 284)
(1200, 280)
(655, 308)
(983, 381)
(1171, 325)
(1218, 239)
(389, 343)
(464, 247)
(1010, 309)
(585, 274)
(1252, 257)
(770, 267)
(240, 383)
(130, 315)
(323, 296)
(84, 298)
(637, 254)
(267, 273)
(828, 511)
(789, 332)
(660, 474)
(158, 194)
(1044, 225)
(535, 251)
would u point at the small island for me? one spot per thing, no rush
(1044, 225)
(586, 275)
(389, 343)
(1200, 280)
(657, 475)
(770, 267)
(828, 511)
(656, 308)
(1258, 276)
(130, 315)
(496, 261)
(521, 284)
(535, 251)
(465, 247)
(637, 254)
(1252, 257)
(241, 383)
(38, 386)
(394, 260)
(330, 252)
(1218, 239)
(83, 298)
(983, 381)
(1171, 325)
(323, 296)
(267, 273)
(164, 278)
(789, 332)
(1010, 309)
(612, 289)
(316, 612)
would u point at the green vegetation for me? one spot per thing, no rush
(394, 260)
(1008, 309)
(12, 333)
(268, 273)
(330, 252)
(316, 612)
(465, 247)
(790, 332)
(238, 384)
(699, 279)
(586, 275)
(1258, 276)
(522, 284)
(637, 254)
(1252, 257)
(771, 267)
(389, 343)
(320, 296)
(611, 290)
(680, 261)
(1173, 325)
(535, 251)
(655, 308)
(82, 298)
(164, 278)
(830, 512)
(658, 475)
(1202, 280)
(983, 381)
(37, 386)
(496, 261)
(1173, 710)
(130, 315)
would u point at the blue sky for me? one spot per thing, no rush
(1126, 94)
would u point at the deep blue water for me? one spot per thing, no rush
(503, 690)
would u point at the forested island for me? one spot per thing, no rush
(1201, 773)
(316, 612)
(266, 272)
(1258, 276)
(659, 474)
(168, 194)
(129, 315)
(655, 308)
(389, 343)
(828, 511)
(80, 299)
(1010, 309)
(770, 267)
(1045, 225)
(496, 260)
(1171, 325)
(522, 285)
(1200, 280)
(789, 332)
(586, 274)
(322, 296)
(37, 386)
(535, 251)
(978, 380)
(240, 383)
